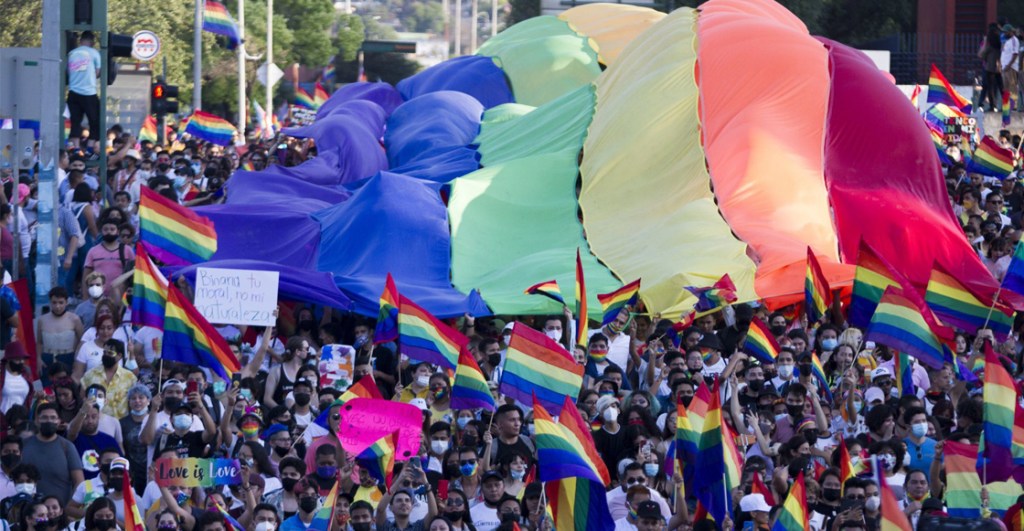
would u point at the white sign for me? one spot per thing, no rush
(236, 296)
(145, 45)
(275, 74)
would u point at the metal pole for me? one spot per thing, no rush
(101, 133)
(197, 61)
(13, 200)
(494, 17)
(270, 59)
(458, 28)
(475, 17)
(161, 119)
(446, 6)
(242, 108)
(50, 130)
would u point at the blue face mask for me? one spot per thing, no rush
(467, 470)
(829, 344)
(219, 387)
(327, 472)
(462, 422)
(181, 498)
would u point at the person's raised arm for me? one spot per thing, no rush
(268, 392)
(230, 398)
(148, 434)
(819, 414)
(76, 423)
(188, 521)
(198, 408)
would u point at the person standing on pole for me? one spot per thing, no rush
(83, 73)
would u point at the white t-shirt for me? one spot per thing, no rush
(618, 349)
(122, 333)
(1010, 48)
(90, 354)
(484, 517)
(15, 391)
(622, 524)
(151, 340)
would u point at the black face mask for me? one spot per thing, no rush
(795, 411)
(452, 471)
(104, 524)
(281, 451)
(307, 504)
(110, 238)
(509, 517)
(494, 359)
(16, 366)
(302, 399)
(10, 461)
(47, 429)
(686, 400)
(171, 404)
(455, 515)
(306, 325)
(116, 483)
(109, 362)
(830, 494)
(289, 484)
(324, 406)
(362, 526)
(778, 330)
(755, 385)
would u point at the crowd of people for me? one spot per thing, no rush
(102, 405)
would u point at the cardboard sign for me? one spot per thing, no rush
(236, 296)
(301, 115)
(336, 366)
(958, 129)
(197, 472)
(364, 420)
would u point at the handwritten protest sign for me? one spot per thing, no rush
(197, 472)
(301, 115)
(236, 296)
(336, 364)
(364, 420)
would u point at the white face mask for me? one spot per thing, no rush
(439, 447)
(785, 371)
(422, 381)
(25, 488)
(95, 291)
(872, 503)
(131, 364)
(265, 526)
(555, 335)
(611, 414)
(100, 402)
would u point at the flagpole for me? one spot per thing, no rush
(197, 64)
(270, 60)
(242, 107)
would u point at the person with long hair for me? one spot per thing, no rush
(101, 515)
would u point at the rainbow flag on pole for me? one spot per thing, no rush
(423, 337)
(872, 276)
(760, 342)
(320, 94)
(904, 322)
(621, 299)
(963, 485)
(940, 114)
(387, 318)
(940, 91)
(794, 516)
(232, 524)
(957, 306)
(217, 19)
(914, 95)
(133, 521)
(190, 339)
(1000, 409)
(817, 294)
(149, 291)
(1006, 108)
(939, 141)
(566, 448)
(579, 504)
(211, 128)
(720, 294)
(992, 159)
(148, 130)
(173, 234)
(904, 376)
(324, 515)
(548, 289)
(711, 482)
(537, 366)
(379, 458)
(469, 389)
(303, 99)
(581, 304)
(892, 517)
(1014, 279)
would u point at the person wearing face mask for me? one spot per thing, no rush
(281, 381)
(610, 440)
(109, 483)
(827, 506)
(116, 379)
(597, 357)
(514, 466)
(279, 442)
(110, 256)
(85, 433)
(101, 515)
(553, 328)
(920, 447)
(132, 424)
(283, 500)
(25, 486)
(58, 462)
(326, 472)
(753, 376)
(302, 409)
(785, 363)
(14, 386)
(617, 338)
(58, 331)
(90, 354)
(420, 385)
(180, 435)
(440, 442)
(10, 458)
(439, 398)
(309, 502)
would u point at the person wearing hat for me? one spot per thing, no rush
(182, 424)
(105, 483)
(610, 439)
(485, 515)
(129, 172)
(649, 517)
(711, 350)
(755, 508)
(14, 385)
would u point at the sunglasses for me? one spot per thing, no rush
(634, 481)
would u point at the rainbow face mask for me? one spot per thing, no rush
(598, 354)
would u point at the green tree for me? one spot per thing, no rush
(855, 22)
(310, 22)
(423, 17)
(522, 10)
(1011, 10)
(349, 37)
(22, 26)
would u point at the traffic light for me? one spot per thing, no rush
(117, 46)
(161, 95)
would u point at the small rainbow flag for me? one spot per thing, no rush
(914, 95)
(940, 91)
(579, 504)
(211, 128)
(366, 387)
(190, 339)
(623, 298)
(566, 448)
(1000, 408)
(132, 519)
(957, 306)
(303, 99)
(845, 463)
(548, 289)
(721, 293)
(148, 130)
(173, 234)
(320, 94)
(329, 72)
(992, 159)
(379, 458)
(760, 342)
(67, 127)
(963, 486)
(819, 373)
(793, 516)
(1014, 279)
(387, 318)
(872, 276)
(687, 442)
(904, 376)
(940, 113)
(149, 291)
(1006, 107)
(713, 477)
(423, 337)
(939, 141)
(757, 486)
(904, 322)
(325, 514)
(817, 294)
(216, 19)
(892, 517)
(537, 366)
(581, 304)
(469, 389)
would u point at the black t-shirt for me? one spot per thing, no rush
(189, 445)
(612, 448)
(518, 447)
(6, 331)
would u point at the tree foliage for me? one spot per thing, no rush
(22, 25)
(522, 10)
(422, 16)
